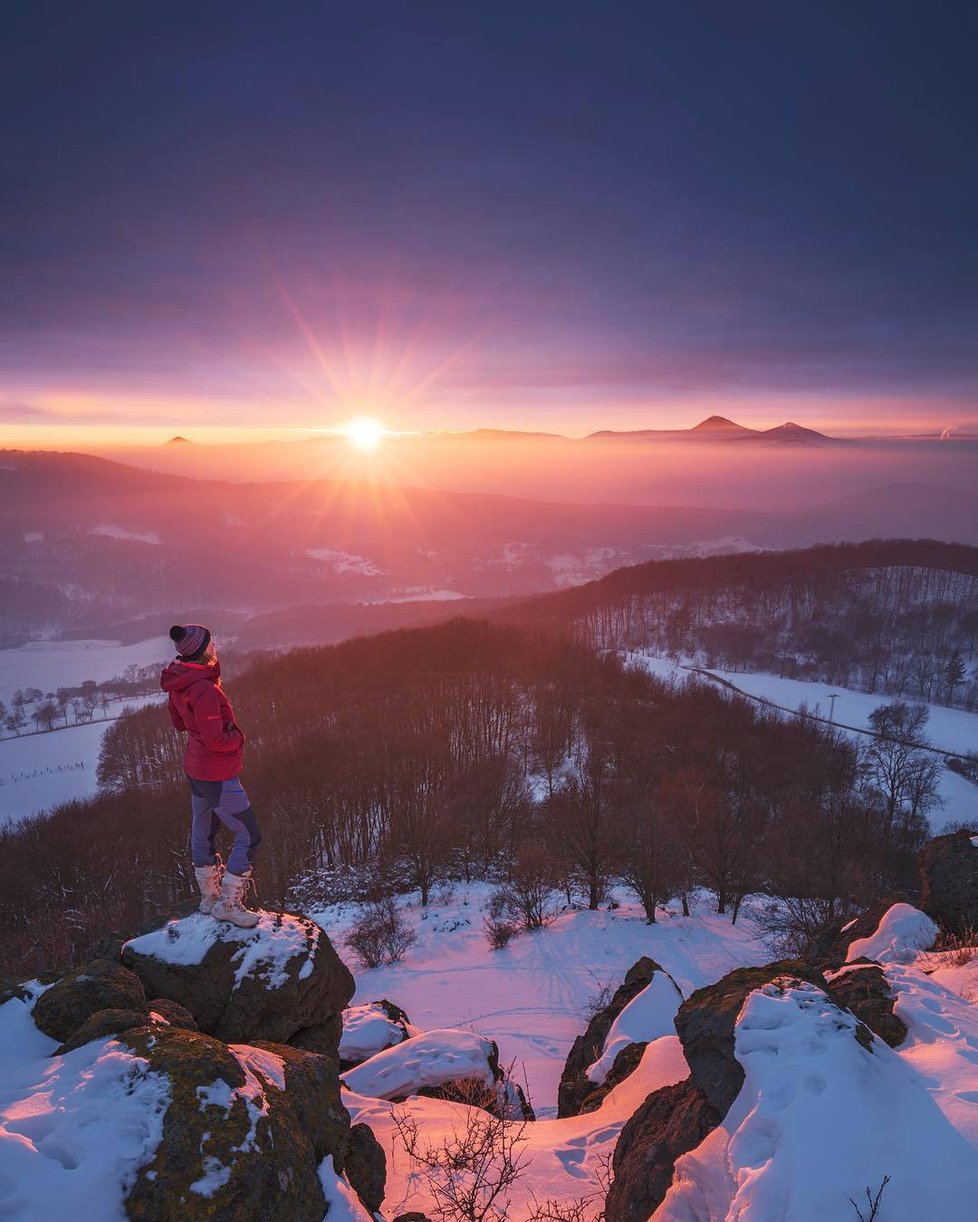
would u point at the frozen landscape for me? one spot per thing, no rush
(826, 1111)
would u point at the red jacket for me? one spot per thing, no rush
(197, 704)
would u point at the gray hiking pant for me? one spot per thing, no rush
(217, 802)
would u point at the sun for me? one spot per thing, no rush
(364, 432)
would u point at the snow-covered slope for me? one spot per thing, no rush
(531, 997)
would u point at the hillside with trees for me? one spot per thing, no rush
(471, 750)
(897, 617)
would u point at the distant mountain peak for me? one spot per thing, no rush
(179, 441)
(789, 431)
(718, 424)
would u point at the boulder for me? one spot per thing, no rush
(705, 1026)
(949, 878)
(320, 1037)
(862, 988)
(366, 1167)
(903, 932)
(244, 1131)
(443, 1064)
(829, 949)
(241, 985)
(173, 1012)
(671, 1122)
(369, 1029)
(72, 1000)
(101, 1024)
(575, 1086)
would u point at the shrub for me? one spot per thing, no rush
(526, 900)
(380, 935)
(468, 1173)
(499, 932)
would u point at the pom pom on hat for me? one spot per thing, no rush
(190, 639)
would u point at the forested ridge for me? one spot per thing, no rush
(897, 617)
(473, 750)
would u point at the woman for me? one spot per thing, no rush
(212, 762)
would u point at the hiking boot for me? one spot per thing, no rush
(209, 882)
(230, 907)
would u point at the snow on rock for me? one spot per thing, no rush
(429, 1060)
(278, 981)
(368, 1029)
(819, 1119)
(259, 1067)
(263, 951)
(903, 932)
(74, 1129)
(344, 1204)
(646, 1017)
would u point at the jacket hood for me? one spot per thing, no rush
(178, 676)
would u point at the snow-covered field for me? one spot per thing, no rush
(37, 771)
(53, 664)
(949, 729)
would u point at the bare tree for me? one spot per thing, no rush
(897, 766)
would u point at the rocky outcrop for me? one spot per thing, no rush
(949, 878)
(674, 1120)
(705, 1025)
(242, 1127)
(671, 1122)
(243, 1133)
(366, 1167)
(281, 981)
(862, 988)
(71, 1001)
(575, 1086)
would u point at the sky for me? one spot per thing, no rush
(558, 216)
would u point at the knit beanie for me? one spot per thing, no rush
(191, 640)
